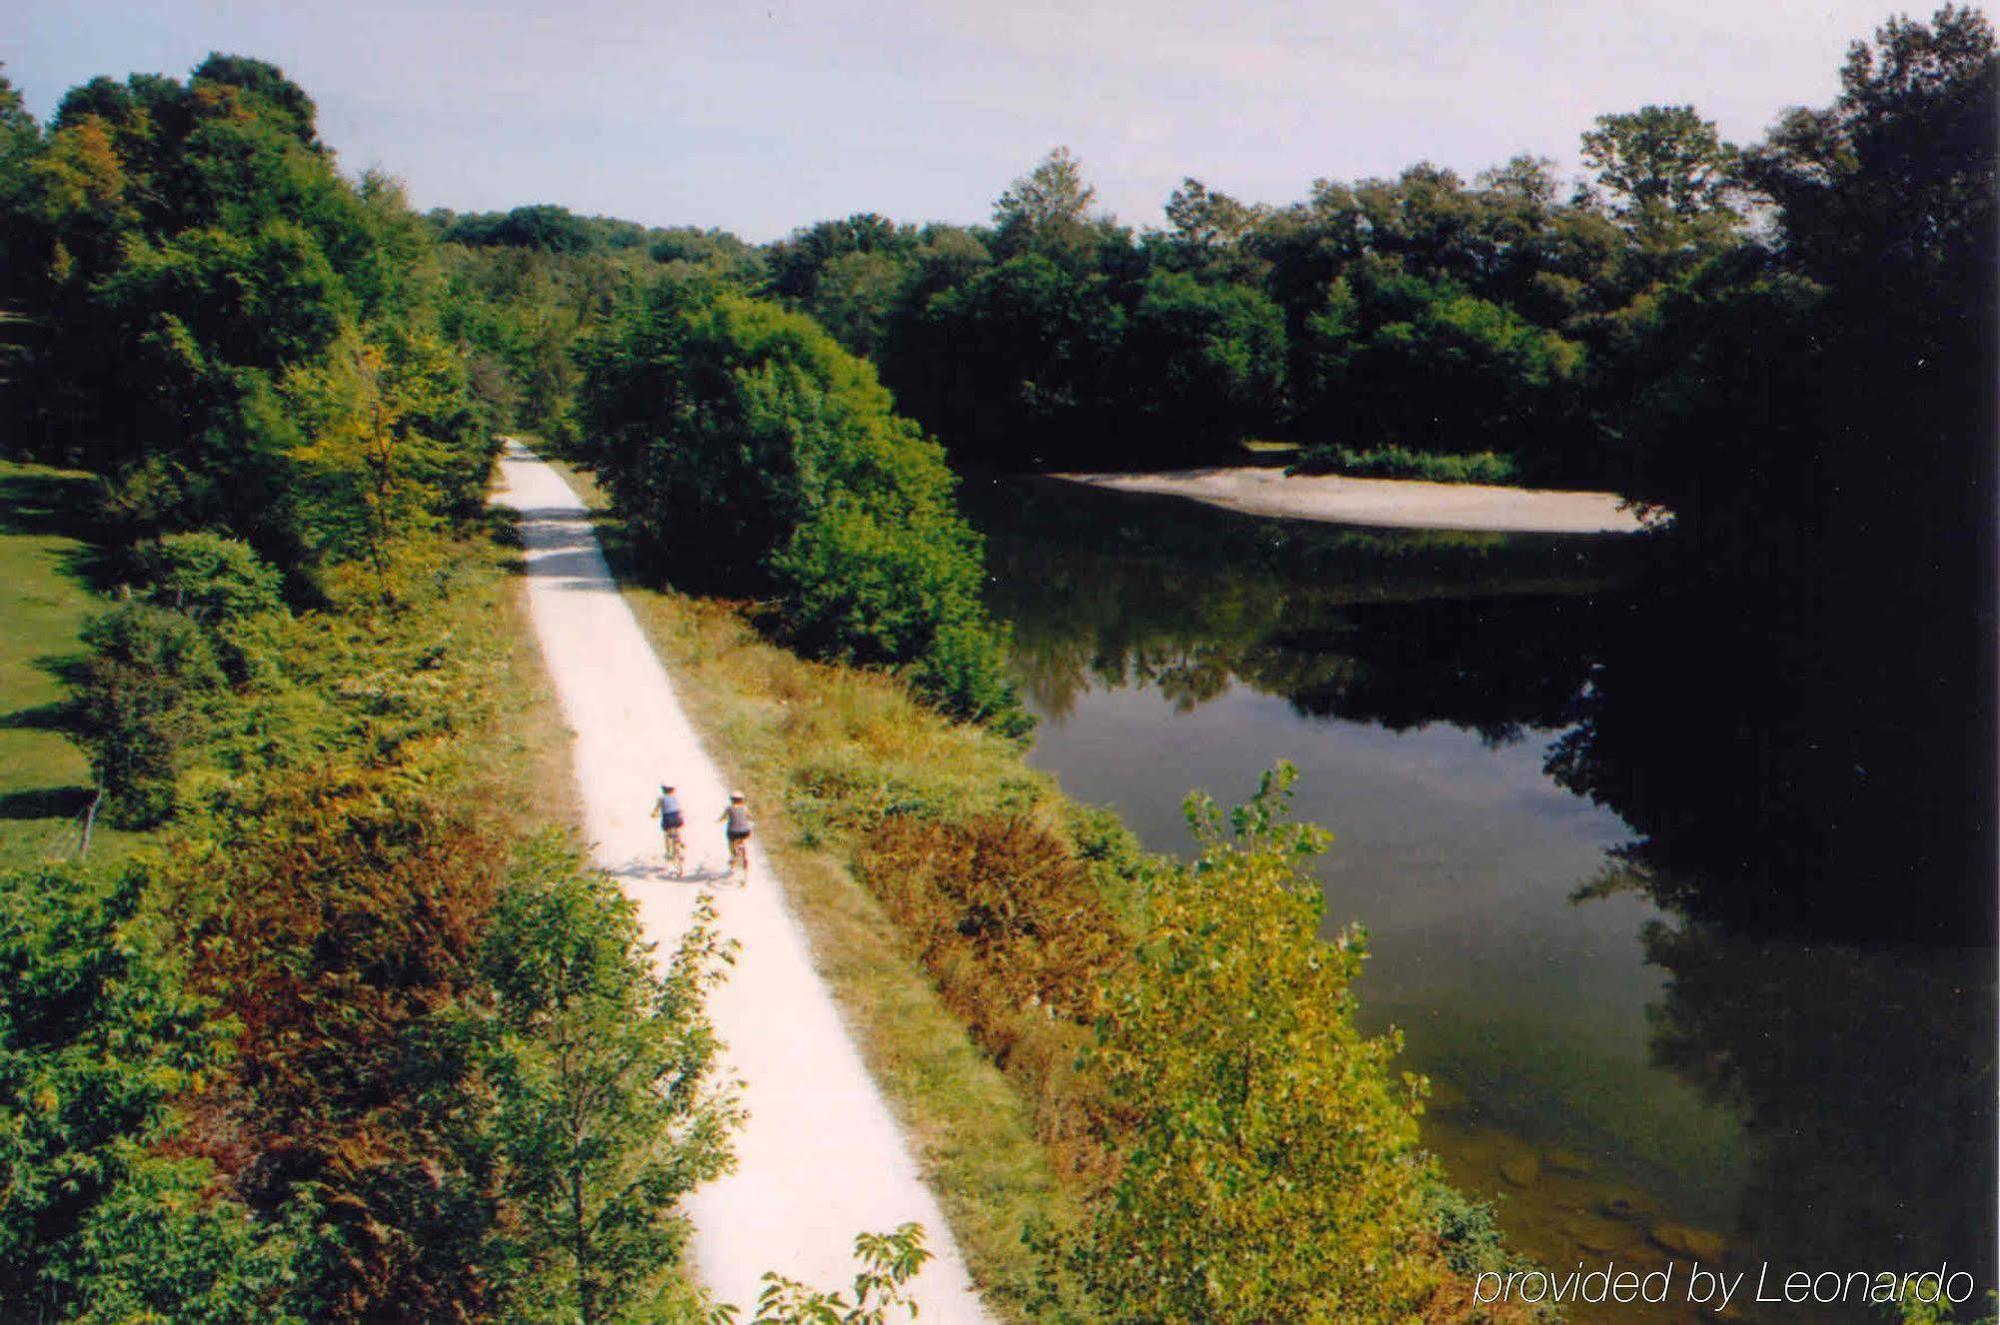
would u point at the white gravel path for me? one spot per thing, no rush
(821, 1157)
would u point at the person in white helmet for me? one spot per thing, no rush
(736, 820)
(667, 809)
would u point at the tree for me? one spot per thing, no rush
(1206, 227)
(1895, 181)
(1046, 211)
(1205, 364)
(608, 1108)
(1266, 1166)
(1525, 179)
(854, 297)
(1665, 168)
(1011, 367)
(747, 449)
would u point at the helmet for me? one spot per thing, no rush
(736, 795)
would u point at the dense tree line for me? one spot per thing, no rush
(225, 327)
(351, 1046)
(1573, 329)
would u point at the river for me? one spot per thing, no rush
(1629, 904)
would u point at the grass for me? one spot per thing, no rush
(1400, 462)
(819, 749)
(519, 762)
(524, 758)
(45, 595)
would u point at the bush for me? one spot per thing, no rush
(98, 1034)
(746, 448)
(1265, 1162)
(336, 920)
(226, 588)
(1009, 923)
(208, 577)
(865, 590)
(134, 702)
(1399, 462)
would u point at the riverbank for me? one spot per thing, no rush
(1383, 503)
(991, 1094)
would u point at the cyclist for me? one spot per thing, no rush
(737, 819)
(667, 809)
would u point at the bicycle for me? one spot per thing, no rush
(737, 817)
(676, 853)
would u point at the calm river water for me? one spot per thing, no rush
(1604, 841)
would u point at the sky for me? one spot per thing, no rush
(766, 116)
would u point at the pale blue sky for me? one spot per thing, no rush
(764, 116)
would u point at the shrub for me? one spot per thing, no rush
(867, 590)
(1265, 1162)
(98, 1033)
(224, 586)
(167, 1245)
(1009, 923)
(134, 702)
(211, 578)
(336, 921)
(1399, 462)
(743, 445)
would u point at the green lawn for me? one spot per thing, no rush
(45, 595)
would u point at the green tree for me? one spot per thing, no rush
(1205, 363)
(1012, 367)
(748, 450)
(855, 296)
(1666, 170)
(98, 1035)
(608, 1110)
(1046, 211)
(1265, 1162)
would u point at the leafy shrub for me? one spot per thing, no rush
(226, 588)
(888, 1262)
(166, 1244)
(336, 920)
(742, 444)
(1009, 923)
(211, 578)
(1265, 1159)
(1399, 462)
(869, 591)
(98, 1033)
(135, 705)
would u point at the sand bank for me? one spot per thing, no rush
(1383, 502)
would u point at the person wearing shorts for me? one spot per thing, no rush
(667, 809)
(736, 820)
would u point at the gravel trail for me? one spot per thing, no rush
(821, 1157)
